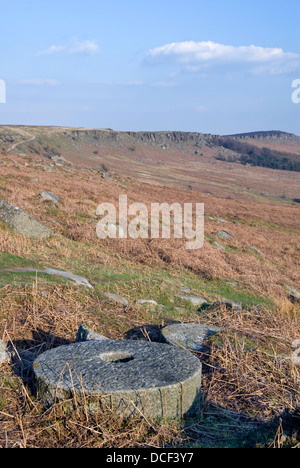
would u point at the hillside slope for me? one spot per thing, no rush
(276, 140)
(193, 161)
(250, 385)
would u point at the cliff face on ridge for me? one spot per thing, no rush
(155, 139)
(274, 149)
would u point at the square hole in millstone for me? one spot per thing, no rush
(116, 357)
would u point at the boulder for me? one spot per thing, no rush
(147, 302)
(219, 246)
(254, 249)
(49, 196)
(63, 274)
(194, 300)
(224, 235)
(219, 220)
(85, 334)
(189, 336)
(185, 290)
(117, 299)
(22, 223)
(57, 158)
(294, 294)
(106, 176)
(48, 169)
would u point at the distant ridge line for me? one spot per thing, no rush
(270, 133)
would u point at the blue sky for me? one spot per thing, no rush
(209, 66)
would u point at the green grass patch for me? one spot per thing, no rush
(126, 278)
(272, 226)
(25, 277)
(8, 260)
(219, 289)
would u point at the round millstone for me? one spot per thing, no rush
(129, 377)
(189, 336)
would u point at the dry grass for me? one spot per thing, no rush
(272, 228)
(32, 325)
(252, 369)
(249, 380)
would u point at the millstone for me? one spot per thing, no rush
(129, 377)
(189, 336)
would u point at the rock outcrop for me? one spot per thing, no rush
(49, 196)
(190, 336)
(117, 299)
(224, 235)
(193, 300)
(23, 223)
(63, 274)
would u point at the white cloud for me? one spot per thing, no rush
(88, 47)
(40, 82)
(192, 54)
(52, 50)
(278, 68)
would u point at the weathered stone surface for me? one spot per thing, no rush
(63, 274)
(21, 222)
(296, 353)
(147, 302)
(185, 290)
(85, 334)
(228, 304)
(117, 299)
(194, 300)
(219, 220)
(219, 246)
(106, 175)
(49, 196)
(4, 354)
(294, 294)
(224, 235)
(57, 158)
(254, 249)
(49, 169)
(233, 283)
(130, 377)
(189, 336)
